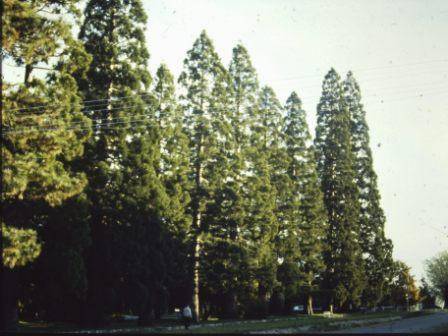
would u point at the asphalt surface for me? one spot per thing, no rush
(424, 323)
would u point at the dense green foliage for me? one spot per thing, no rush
(20, 246)
(310, 217)
(173, 171)
(403, 289)
(124, 195)
(427, 295)
(437, 271)
(35, 163)
(377, 250)
(345, 269)
(127, 200)
(38, 140)
(204, 94)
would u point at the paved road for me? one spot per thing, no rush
(416, 324)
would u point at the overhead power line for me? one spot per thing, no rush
(401, 90)
(435, 229)
(128, 107)
(106, 100)
(279, 79)
(77, 128)
(95, 121)
(362, 69)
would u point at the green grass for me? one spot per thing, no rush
(315, 323)
(257, 326)
(45, 327)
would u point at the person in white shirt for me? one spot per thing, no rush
(187, 316)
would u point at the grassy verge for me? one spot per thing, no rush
(305, 323)
(246, 326)
(297, 324)
(42, 327)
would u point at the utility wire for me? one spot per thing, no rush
(86, 104)
(94, 121)
(84, 110)
(369, 79)
(397, 92)
(106, 100)
(363, 69)
(435, 229)
(374, 87)
(148, 117)
(77, 128)
(280, 79)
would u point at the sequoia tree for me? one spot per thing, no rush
(127, 199)
(310, 218)
(173, 170)
(344, 264)
(265, 138)
(377, 250)
(244, 86)
(204, 87)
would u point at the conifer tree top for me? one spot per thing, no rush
(293, 98)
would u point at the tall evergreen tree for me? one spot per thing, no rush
(376, 248)
(39, 139)
(242, 101)
(286, 251)
(345, 271)
(174, 173)
(203, 84)
(265, 128)
(288, 248)
(126, 196)
(309, 214)
(220, 217)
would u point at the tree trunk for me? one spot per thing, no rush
(28, 70)
(9, 299)
(445, 297)
(197, 216)
(196, 306)
(197, 227)
(309, 305)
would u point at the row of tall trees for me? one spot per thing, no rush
(144, 195)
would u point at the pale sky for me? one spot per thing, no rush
(397, 50)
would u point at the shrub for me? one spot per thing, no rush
(257, 309)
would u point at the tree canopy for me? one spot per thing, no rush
(437, 272)
(126, 193)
